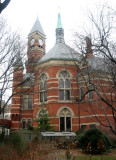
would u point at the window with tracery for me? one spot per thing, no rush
(65, 120)
(64, 86)
(43, 88)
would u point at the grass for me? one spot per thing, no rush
(95, 158)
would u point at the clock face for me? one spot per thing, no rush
(40, 42)
(32, 42)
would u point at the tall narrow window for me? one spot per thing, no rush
(30, 102)
(65, 120)
(23, 123)
(27, 101)
(82, 93)
(29, 123)
(43, 88)
(91, 92)
(64, 86)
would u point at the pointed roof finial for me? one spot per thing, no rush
(59, 24)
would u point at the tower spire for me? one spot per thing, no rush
(37, 27)
(59, 31)
(59, 24)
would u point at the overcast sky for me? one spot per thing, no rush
(21, 15)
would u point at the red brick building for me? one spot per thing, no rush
(54, 79)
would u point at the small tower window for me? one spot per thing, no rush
(40, 43)
(32, 42)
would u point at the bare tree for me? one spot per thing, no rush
(3, 5)
(12, 49)
(98, 65)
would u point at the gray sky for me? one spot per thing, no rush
(21, 15)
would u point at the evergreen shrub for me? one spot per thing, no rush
(93, 136)
(15, 141)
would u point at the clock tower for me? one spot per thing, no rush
(36, 45)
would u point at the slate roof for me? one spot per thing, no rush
(97, 63)
(37, 27)
(60, 51)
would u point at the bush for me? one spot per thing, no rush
(30, 128)
(92, 137)
(80, 131)
(15, 140)
(113, 142)
(2, 137)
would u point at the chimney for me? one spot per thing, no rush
(89, 52)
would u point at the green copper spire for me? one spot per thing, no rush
(59, 31)
(59, 24)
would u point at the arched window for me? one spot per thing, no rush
(29, 123)
(65, 120)
(23, 123)
(43, 88)
(64, 86)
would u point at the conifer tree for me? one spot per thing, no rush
(44, 120)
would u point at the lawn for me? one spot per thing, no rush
(77, 154)
(95, 158)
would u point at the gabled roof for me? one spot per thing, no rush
(37, 27)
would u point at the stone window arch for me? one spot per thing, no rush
(43, 87)
(64, 85)
(65, 118)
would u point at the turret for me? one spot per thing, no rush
(36, 45)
